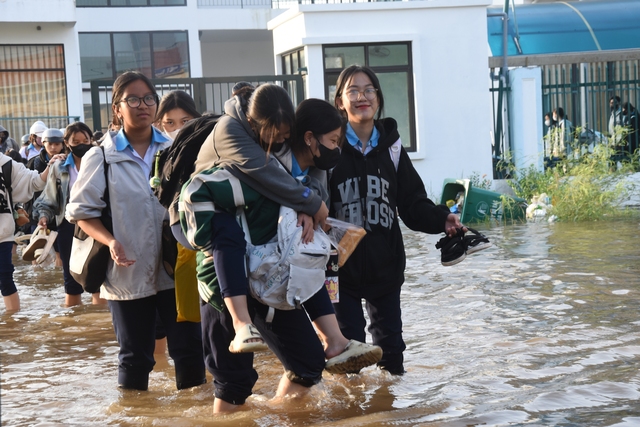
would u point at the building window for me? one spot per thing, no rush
(127, 3)
(162, 54)
(32, 87)
(295, 63)
(392, 64)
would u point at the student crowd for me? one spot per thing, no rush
(344, 161)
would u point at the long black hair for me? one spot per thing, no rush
(269, 108)
(316, 116)
(120, 85)
(345, 77)
(177, 99)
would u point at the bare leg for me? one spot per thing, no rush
(222, 407)
(161, 346)
(95, 299)
(71, 300)
(12, 302)
(239, 311)
(58, 260)
(286, 388)
(329, 331)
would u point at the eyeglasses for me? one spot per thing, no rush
(135, 101)
(369, 93)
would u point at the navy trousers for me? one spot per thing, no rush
(134, 322)
(385, 328)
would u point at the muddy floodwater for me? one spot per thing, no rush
(542, 329)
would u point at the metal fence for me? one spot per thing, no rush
(209, 93)
(584, 91)
(582, 85)
(19, 126)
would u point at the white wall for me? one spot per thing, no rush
(526, 117)
(246, 58)
(38, 11)
(450, 64)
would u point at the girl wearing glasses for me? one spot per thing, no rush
(136, 287)
(373, 180)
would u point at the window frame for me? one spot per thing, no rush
(378, 69)
(184, 3)
(114, 73)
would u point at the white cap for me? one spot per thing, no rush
(37, 128)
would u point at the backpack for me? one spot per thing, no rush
(175, 165)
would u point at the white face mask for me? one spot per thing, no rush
(173, 134)
(547, 123)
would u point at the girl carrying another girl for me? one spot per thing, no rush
(256, 122)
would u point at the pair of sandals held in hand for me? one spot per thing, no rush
(455, 249)
(355, 356)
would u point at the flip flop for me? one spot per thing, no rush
(242, 344)
(44, 255)
(453, 249)
(22, 239)
(476, 241)
(38, 241)
(356, 355)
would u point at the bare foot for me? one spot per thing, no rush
(335, 347)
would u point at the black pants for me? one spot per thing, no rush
(385, 329)
(64, 241)
(134, 322)
(290, 336)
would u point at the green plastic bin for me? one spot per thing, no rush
(480, 205)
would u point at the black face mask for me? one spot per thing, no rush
(328, 158)
(81, 150)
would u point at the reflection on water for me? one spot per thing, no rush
(542, 329)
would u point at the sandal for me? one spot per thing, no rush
(476, 242)
(248, 340)
(453, 249)
(355, 356)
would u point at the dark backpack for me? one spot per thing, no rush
(177, 163)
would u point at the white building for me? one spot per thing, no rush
(431, 57)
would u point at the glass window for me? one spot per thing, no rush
(125, 3)
(341, 57)
(132, 51)
(392, 64)
(95, 54)
(128, 3)
(32, 84)
(104, 55)
(170, 55)
(388, 54)
(395, 87)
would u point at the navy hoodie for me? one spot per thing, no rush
(369, 192)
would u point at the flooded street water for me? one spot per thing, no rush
(542, 329)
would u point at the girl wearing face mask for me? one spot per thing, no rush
(176, 108)
(50, 206)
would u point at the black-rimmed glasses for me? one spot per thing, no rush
(135, 101)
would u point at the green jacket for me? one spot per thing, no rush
(213, 190)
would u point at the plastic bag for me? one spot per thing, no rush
(344, 237)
